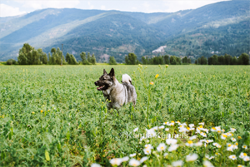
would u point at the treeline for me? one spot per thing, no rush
(131, 59)
(28, 55)
(227, 59)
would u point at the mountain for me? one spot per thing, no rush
(216, 28)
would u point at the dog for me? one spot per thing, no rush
(116, 94)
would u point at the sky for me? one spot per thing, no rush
(19, 7)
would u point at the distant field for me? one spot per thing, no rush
(54, 115)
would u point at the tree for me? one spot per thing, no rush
(22, 59)
(50, 59)
(166, 59)
(173, 60)
(43, 56)
(11, 62)
(71, 59)
(112, 60)
(203, 60)
(53, 50)
(68, 58)
(144, 60)
(234, 61)
(178, 60)
(84, 59)
(243, 59)
(227, 59)
(221, 60)
(30, 56)
(185, 60)
(215, 60)
(131, 59)
(93, 60)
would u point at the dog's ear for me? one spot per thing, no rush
(112, 72)
(104, 72)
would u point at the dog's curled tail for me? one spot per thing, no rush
(126, 78)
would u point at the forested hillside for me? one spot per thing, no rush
(216, 28)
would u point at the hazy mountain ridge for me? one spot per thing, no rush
(116, 33)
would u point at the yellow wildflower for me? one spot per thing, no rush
(151, 83)
(41, 111)
(239, 137)
(33, 112)
(156, 76)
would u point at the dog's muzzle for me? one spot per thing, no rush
(100, 86)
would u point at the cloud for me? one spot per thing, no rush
(16, 7)
(174, 6)
(38, 4)
(6, 10)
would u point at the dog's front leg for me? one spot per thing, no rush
(109, 106)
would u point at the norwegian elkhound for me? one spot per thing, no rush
(114, 92)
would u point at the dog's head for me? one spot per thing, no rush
(106, 80)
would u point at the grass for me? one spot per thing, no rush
(54, 116)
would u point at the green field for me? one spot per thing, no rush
(54, 115)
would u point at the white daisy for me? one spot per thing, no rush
(230, 149)
(223, 136)
(234, 147)
(161, 147)
(182, 129)
(95, 165)
(247, 158)
(136, 129)
(161, 127)
(147, 151)
(233, 139)
(232, 129)
(173, 147)
(191, 125)
(132, 155)
(149, 146)
(134, 162)
(208, 157)
(233, 157)
(143, 159)
(207, 164)
(244, 146)
(124, 159)
(177, 163)
(116, 161)
(209, 141)
(191, 157)
(150, 133)
(217, 145)
(198, 144)
(243, 155)
(171, 141)
(192, 137)
(240, 166)
(190, 143)
(203, 134)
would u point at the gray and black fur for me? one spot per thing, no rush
(117, 94)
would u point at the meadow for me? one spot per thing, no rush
(54, 116)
